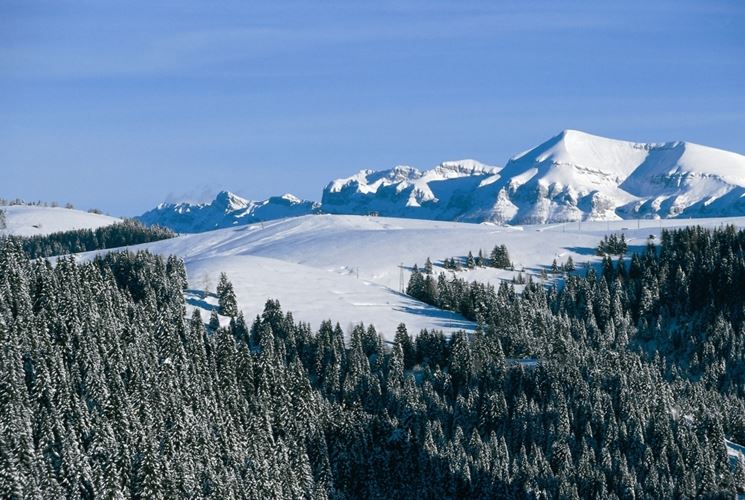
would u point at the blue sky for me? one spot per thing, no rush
(121, 105)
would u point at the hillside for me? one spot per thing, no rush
(409, 418)
(24, 220)
(347, 267)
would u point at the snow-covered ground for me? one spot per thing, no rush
(348, 268)
(314, 294)
(22, 220)
(735, 452)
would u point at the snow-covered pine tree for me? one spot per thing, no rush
(428, 266)
(500, 257)
(226, 300)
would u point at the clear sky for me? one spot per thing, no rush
(123, 104)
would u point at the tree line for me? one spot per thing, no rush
(125, 233)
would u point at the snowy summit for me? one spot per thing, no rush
(572, 176)
(226, 210)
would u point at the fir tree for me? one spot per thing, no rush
(428, 266)
(416, 286)
(403, 339)
(500, 257)
(214, 322)
(228, 305)
(613, 245)
(569, 265)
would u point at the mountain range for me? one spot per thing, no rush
(226, 210)
(572, 176)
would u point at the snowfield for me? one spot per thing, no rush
(314, 294)
(22, 220)
(347, 268)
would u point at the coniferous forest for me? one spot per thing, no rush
(127, 232)
(624, 382)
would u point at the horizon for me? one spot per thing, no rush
(207, 196)
(263, 100)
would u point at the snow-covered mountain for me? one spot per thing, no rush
(439, 193)
(572, 176)
(226, 210)
(577, 175)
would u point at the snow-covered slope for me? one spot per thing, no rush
(577, 175)
(572, 176)
(226, 210)
(347, 268)
(735, 452)
(23, 220)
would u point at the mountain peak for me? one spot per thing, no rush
(570, 132)
(226, 210)
(291, 198)
(573, 175)
(230, 199)
(570, 138)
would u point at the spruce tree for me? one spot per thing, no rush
(416, 285)
(470, 262)
(569, 265)
(403, 339)
(500, 257)
(214, 322)
(428, 266)
(227, 303)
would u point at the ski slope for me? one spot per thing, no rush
(348, 268)
(23, 220)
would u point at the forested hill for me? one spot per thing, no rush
(108, 391)
(682, 301)
(125, 233)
